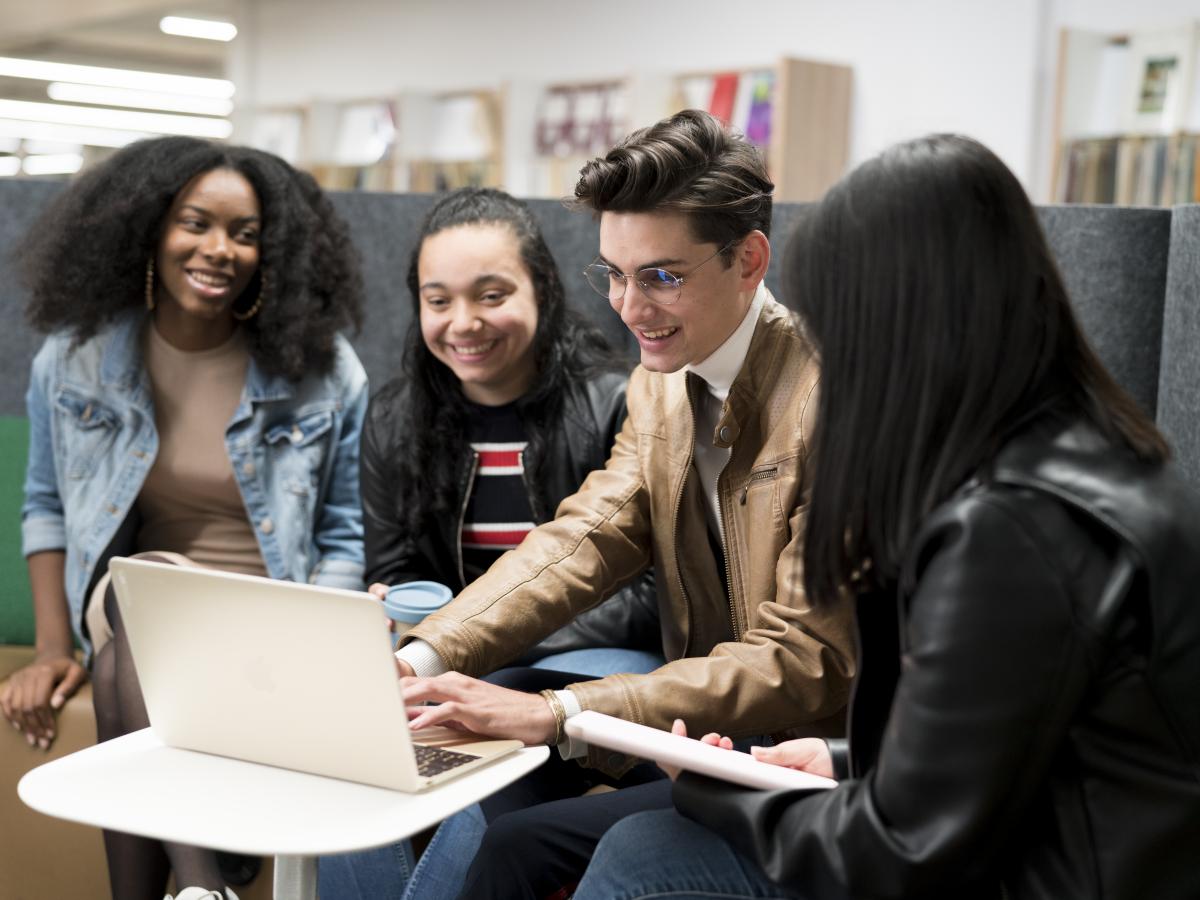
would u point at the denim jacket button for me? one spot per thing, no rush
(112, 509)
(266, 526)
(139, 454)
(247, 468)
(297, 434)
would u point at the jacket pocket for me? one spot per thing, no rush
(87, 428)
(298, 449)
(758, 477)
(301, 432)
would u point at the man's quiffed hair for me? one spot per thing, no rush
(691, 164)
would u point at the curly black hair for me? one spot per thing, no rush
(428, 398)
(85, 258)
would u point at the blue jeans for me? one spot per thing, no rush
(381, 872)
(385, 872)
(601, 661)
(662, 854)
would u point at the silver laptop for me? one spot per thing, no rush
(291, 675)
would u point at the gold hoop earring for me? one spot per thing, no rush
(253, 310)
(150, 284)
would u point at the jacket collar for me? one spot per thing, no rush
(122, 364)
(721, 367)
(773, 321)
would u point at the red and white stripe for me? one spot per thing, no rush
(500, 459)
(494, 535)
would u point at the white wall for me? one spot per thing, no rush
(1118, 16)
(979, 67)
(919, 65)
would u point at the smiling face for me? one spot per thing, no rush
(712, 302)
(478, 310)
(208, 252)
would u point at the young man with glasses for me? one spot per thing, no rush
(705, 483)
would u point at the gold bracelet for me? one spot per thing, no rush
(560, 715)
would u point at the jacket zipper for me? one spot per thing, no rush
(462, 517)
(760, 475)
(737, 629)
(535, 514)
(675, 512)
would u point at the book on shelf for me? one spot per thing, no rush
(1135, 170)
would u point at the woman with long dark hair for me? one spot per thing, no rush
(506, 401)
(1024, 561)
(194, 401)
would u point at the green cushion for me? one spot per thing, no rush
(16, 606)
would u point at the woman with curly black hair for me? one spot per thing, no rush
(194, 401)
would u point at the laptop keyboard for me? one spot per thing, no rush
(436, 760)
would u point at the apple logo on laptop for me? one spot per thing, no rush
(258, 673)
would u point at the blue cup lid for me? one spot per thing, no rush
(412, 601)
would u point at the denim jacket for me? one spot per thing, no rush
(293, 446)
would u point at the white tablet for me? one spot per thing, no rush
(688, 753)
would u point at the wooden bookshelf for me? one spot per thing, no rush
(1127, 118)
(808, 147)
(556, 128)
(808, 103)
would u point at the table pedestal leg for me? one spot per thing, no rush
(295, 878)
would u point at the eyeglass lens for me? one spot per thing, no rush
(658, 284)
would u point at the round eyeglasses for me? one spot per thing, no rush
(658, 285)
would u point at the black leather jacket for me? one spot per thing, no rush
(580, 441)
(1025, 721)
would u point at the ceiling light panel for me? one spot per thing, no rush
(56, 164)
(205, 29)
(68, 134)
(42, 70)
(158, 123)
(110, 96)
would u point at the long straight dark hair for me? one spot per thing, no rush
(941, 321)
(427, 398)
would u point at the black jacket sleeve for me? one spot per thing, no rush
(993, 665)
(393, 555)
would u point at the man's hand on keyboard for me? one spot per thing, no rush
(474, 705)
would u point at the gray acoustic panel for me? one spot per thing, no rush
(20, 202)
(1179, 378)
(1114, 263)
(784, 218)
(384, 228)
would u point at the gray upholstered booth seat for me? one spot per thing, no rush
(1179, 375)
(1115, 262)
(385, 228)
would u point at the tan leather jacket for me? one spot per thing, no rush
(757, 659)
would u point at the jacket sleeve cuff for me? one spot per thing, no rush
(42, 533)
(423, 658)
(569, 747)
(338, 573)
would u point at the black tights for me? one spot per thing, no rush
(138, 866)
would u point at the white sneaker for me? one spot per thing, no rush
(199, 893)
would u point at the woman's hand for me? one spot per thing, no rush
(379, 591)
(32, 695)
(678, 727)
(806, 754)
(469, 704)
